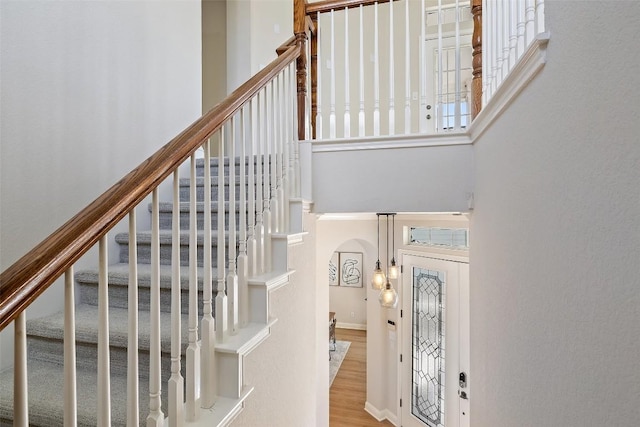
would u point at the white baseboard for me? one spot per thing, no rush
(356, 326)
(379, 415)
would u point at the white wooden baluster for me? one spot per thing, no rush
(319, 83)
(392, 112)
(232, 277)
(540, 26)
(279, 111)
(361, 115)
(423, 65)
(133, 399)
(156, 416)
(530, 16)
(499, 7)
(222, 316)
(207, 347)
(442, 119)
(407, 71)
(192, 406)
(243, 263)
(70, 396)
(332, 76)
(20, 384)
(458, 82)
(513, 33)
(252, 159)
(260, 164)
(285, 132)
(273, 119)
(294, 141)
(266, 187)
(521, 28)
(376, 73)
(104, 371)
(347, 77)
(506, 42)
(176, 382)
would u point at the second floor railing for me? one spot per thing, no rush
(402, 67)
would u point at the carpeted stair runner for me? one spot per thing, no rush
(44, 335)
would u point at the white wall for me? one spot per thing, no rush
(255, 28)
(284, 368)
(89, 90)
(555, 301)
(419, 179)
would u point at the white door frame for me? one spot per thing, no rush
(464, 328)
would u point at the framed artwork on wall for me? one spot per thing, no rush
(333, 270)
(350, 269)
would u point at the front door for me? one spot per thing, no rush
(435, 343)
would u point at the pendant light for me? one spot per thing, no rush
(378, 275)
(393, 268)
(388, 296)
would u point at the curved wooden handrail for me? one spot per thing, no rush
(328, 5)
(31, 275)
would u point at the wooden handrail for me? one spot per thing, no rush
(31, 275)
(291, 41)
(328, 5)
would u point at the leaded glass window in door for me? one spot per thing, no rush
(428, 345)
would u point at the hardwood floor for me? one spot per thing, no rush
(349, 390)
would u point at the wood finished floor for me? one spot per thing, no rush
(349, 390)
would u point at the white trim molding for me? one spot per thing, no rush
(355, 326)
(381, 415)
(528, 66)
(390, 142)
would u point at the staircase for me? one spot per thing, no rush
(44, 335)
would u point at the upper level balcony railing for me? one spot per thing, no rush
(403, 67)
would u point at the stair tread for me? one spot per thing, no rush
(87, 316)
(46, 399)
(118, 274)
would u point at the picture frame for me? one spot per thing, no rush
(351, 269)
(334, 264)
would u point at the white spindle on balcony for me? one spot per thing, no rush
(176, 382)
(207, 334)
(320, 82)
(260, 165)
(347, 77)
(266, 187)
(376, 73)
(392, 81)
(423, 76)
(361, 114)
(133, 398)
(156, 416)
(70, 394)
(332, 100)
(407, 70)
(104, 370)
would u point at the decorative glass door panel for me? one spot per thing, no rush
(428, 346)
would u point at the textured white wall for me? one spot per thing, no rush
(555, 295)
(284, 368)
(89, 90)
(422, 179)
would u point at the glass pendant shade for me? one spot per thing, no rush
(378, 277)
(393, 269)
(388, 296)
